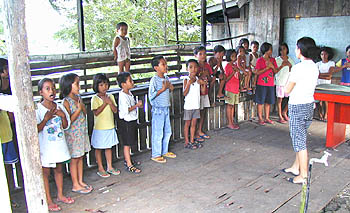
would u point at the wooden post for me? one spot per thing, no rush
(203, 22)
(80, 12)
(26, 126)
(176, 22)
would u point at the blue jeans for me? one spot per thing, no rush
(161, 131)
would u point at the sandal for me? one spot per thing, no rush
(191, 146)
(159, 159)
(205, 136)
(169, 155)
(103, 174)
(282, 121)
(199, 145)
(68, 200)
(137, 163)
(133, 169)
(261, 122)
(199, 139)
(114, 172)
(269, 121)
(54, 208)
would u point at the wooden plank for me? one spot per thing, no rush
(26, 126)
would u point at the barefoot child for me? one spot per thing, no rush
(104, 136)
(121, 48)
(219, 53)
(191, 89)
(128, 117)
(159, 97)
(77, 134)
(52, 121)
(248, 71)
(244, 70)
(231, 87)
(253, 57)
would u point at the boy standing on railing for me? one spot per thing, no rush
(159, 97)
(121, 47)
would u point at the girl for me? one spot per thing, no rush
(284, 64)
(325, 77)
(104, 135)
(253, 57)
(266, 67)
(301, 88)
(52, 120)
(232, 87)
(76, 135)
(241, 64)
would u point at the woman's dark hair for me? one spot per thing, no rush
(43, 81)
(122, 78)
(308, 48)
(191, 61)
(242, 41)
(65, 83)
(280, 48)
(99, 78)
(229, 54)
(198, 49)
(329, 51)
(265, 47)
(347, 48)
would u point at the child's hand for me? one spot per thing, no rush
(49, 114)
(60, 113)
(171, 87)
(80, 105)
(347, 65)
(192, 79)
(107, 100)
(139, 104)
(115, 58)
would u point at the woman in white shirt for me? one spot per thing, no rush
(301, 88)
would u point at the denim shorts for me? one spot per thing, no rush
(264, 94)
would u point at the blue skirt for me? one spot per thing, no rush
(9, 153)
(104, 139)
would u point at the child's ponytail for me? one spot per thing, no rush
(65, 83)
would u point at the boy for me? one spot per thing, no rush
(191, 89)
(219, 52)
(128, 116)
(121, 47)
(159, 98)
(247, 71)
(204, 73)
(253, 57)
(344, 65)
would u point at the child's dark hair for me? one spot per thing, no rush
(43, 81)
(308, 48)
(121, 24)
(122, 78)
(155, 60)
(3, 64)
(65, 83)
(219, 49)
(99, 78)
(198, 49)
(254, 42)
(329, 51)
(191, 61)
(239, 47)
(242, 41)
(280, 48)
(347, 48)
(265, 47)
(229, 54)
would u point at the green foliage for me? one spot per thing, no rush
(151, 22)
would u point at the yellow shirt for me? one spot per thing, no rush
(338, 64)
(105, 120)
(5, 130)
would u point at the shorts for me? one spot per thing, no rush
(300, 116)
(104, 138)
(204, 102)
(233, 98)
(190, 114)
(264, 94)
(128, 130)
(9, 153)
(280, 93)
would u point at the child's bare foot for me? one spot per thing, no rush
(66, 200)
(291, 171)
(53, 207)
(85, 185)
(285, 116)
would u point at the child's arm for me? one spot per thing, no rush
(111, 104)
(100, 109)
(48, 115)
(115, 45)
(60, 113)
(75, 115)
(187, 84)
(232, 74)
(138, 105)
(239, 63)
(338, 68)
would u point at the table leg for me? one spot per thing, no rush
(335, 131)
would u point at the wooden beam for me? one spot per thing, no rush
(80, 13)
(26, 126)
(203, 22)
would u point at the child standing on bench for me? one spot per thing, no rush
(121, 48)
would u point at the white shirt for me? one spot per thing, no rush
(125, 102)
(192, 99)
(123, 49)
(53, 146)
(324, 68)
(304, 75)
(281, 78)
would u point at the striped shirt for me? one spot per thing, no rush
(163, 99)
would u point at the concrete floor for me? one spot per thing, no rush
(236, 170)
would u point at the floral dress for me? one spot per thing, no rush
(77, 135)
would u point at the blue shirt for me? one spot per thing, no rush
(163, 99)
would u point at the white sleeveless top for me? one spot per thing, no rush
(192, 99)
(123, 49)
(254, 59)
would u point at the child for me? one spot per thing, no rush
(4, 77)
(218, 70)
(104, 135)
(253, 57)
(121, 47)
(325, 77)
(128, 116)
(52, 119)
(344, 65)
(204, 74)
(301, 88)
(248, 71)
(231, 88)
(284, 64)
(244, 70)
(265, 90)
(191, 89)
(77, 134)
(159, 98)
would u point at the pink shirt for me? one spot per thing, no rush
(233, 84)
(207, 68)
(266, 78)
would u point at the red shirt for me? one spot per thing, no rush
(233, 84)
(266, 78)
(200, 72)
